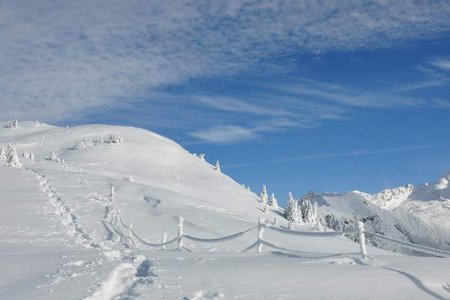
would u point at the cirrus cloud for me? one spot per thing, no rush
(61, 59)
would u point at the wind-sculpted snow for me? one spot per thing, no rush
(94, 213)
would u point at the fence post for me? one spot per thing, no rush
(112, 196)
(163, 240)
(362, 240)
(180, 233)
(260, 235)
(130, 233)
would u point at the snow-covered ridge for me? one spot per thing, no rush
(391, 198)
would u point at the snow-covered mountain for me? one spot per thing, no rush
(415, 214)
(81, 207)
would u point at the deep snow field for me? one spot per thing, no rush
(65, 229)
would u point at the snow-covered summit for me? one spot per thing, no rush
(392, 198)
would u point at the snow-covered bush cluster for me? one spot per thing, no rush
(9, 155)
(114, 139)
(111, 139)
(27, 155)
(13, 124)
(83, 144)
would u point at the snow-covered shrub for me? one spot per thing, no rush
(27, 155)
(292, 212)
(201, 156)
(12, 159)
(128, 178)
(54, 157)
(217, 166)
(80, 144)
(13, 124)
(3, 154)
(112, 139)
(263, 195)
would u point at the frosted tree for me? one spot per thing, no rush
(292, 212)
(310, 214)
(217, 166)
(12, 158)
(201, 156)
(273, 201)
(263, 195)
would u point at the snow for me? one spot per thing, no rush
(81, 225)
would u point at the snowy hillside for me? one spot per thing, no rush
(83, 211)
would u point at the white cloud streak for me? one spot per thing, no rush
(65, 58)
(333, 155)
(441, 63)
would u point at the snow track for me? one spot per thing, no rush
(65, 213)
(121, 281)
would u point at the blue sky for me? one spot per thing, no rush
(296, 95)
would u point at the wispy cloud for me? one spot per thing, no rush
(331, 156)
(441, 63)
(67, 58)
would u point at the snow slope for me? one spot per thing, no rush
(65, 218)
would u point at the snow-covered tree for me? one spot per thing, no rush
(310, 214)
(263, 195)
(12, 159)
(292, 212)
(217, 166)
(201, 156)
(273, 201)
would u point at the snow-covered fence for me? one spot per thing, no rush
(411, 246)
(181, 237)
